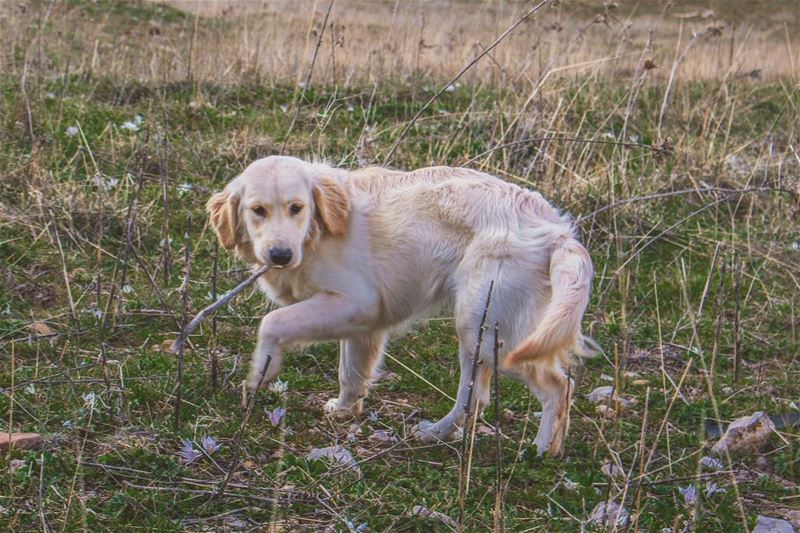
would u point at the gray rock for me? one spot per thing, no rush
(746, 433)
(765, 524)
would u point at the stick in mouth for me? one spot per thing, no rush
(224, 299)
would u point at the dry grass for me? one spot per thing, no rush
(368, 41)
(684, 180)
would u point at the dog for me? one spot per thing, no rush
(354, 255)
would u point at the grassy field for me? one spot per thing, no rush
(684, 184)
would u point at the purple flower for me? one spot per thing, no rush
(188, 453)
(210, 445)
(689, 494)
(276, 415)
(712, 489)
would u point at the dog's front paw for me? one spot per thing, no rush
(336, 408)
(427, 431)
(254, 377)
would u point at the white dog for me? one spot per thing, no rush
(358, 253)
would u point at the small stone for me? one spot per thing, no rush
(613, 471)
(765, 524)
(382, 437)
(16, 464)
(606, 412)
(600, 394)
(21, 441)
(424, 512)
(605, 513)
(746, 433)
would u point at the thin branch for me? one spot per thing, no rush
(654, 147)
(187, 259)
(237, 449)
(469, 65)
(308, 80)
(227, 297)
(681, 192)
(463, 477)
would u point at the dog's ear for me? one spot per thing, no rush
(333, 206)
(223, 211)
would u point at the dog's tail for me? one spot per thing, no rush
(559, 330)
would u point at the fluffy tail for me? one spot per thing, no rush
(559, 330)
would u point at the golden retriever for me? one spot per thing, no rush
(355, 254)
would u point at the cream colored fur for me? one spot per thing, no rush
(374, 248)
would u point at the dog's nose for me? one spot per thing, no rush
(280, 256)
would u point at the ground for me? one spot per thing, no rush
(685, 192)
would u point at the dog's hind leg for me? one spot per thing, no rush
(547, 381)
(358, 360)
(449, 425)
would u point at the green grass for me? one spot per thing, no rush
(204, 135)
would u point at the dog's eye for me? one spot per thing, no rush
(295, 208)
(260, 211)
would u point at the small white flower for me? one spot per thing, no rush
(30, 389)
(165, 241)
(284, 108)
(350, 108)
(127, 289)
(71, 131)
(634, 138)
(133, 125)
(796, 245)
(50, 96)
(183, 188)
(105, 182)
(68, 424)
(302, 85)
(279, 386)
(570, 485)
(450, 88)
(98, 314)
(89, 399)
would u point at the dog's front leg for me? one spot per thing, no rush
(321, 317)
(358, 358)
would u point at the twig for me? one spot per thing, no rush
(654, 147)
(237, 449)
(308, 80)
(736, 334)
(166, 260)
(45, 529)
(469, 65)
(681, 192)
(187, 258)
(476, 361)
(227, 297)
(196, 491)
(214, 355)
(71, 301)
(720, 308)
(498, 491)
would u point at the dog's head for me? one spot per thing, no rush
(278, 206)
